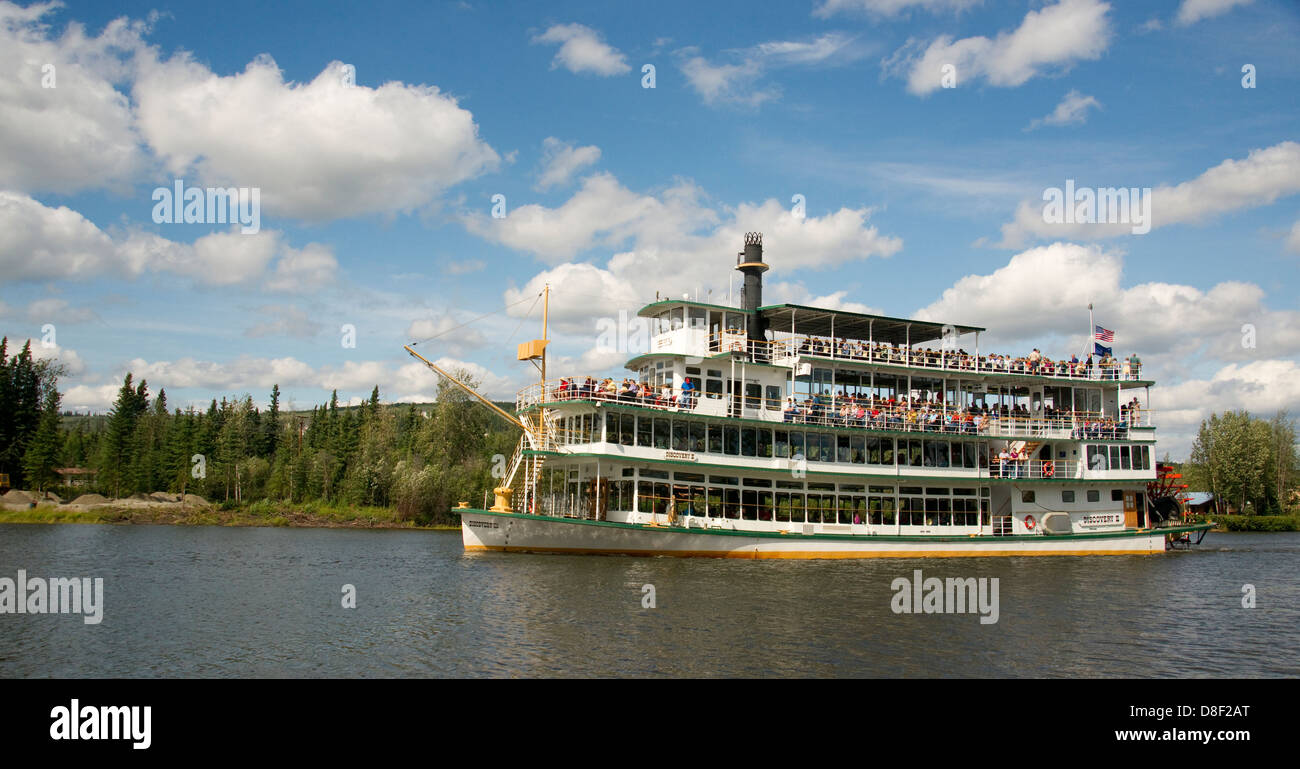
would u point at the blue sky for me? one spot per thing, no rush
(920, 200)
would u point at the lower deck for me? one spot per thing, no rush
(749, 501)
(486, 530)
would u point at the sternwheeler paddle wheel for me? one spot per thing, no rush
(1165, 505)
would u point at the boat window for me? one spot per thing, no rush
(713, 388)
(1116, 495)
(1094, 495)
(715, 439)
(644, 431)
(1067, 496)
(773, 402)
(715, 502)
(797, 445)
(748, 442)
(662, 428)
(627, 431)
(681, 435)
(764, 442)
(731, 440)
(699, 319)
(1026, 496)
(697, 436)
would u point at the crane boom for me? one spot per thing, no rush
(502, 412)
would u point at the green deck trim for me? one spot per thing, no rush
(948, 480)
(1126, 533)
(835, 429)
(924, 324)
(972, 375)
(643, 312)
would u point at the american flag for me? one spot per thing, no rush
(1105, 335)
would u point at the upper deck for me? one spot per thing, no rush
(808, 334)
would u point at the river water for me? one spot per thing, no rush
(183, 601)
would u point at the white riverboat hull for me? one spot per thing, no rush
(490, 531)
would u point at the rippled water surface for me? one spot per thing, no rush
(216, 602)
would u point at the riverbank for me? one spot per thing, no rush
(261, 513)
(1261, 524)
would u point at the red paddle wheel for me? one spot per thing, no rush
(1165, 493)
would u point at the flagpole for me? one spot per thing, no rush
(1092, 333)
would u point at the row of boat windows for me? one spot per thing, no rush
(764, 443)
(1103, 457)
(879, 505)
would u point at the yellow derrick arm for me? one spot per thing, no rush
(504, 414)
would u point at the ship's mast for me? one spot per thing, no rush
(546, 311)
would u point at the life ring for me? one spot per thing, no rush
(1029, 522)
(1048, 469)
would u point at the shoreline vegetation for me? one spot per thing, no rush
(1259, 524)
(194, 511)
(357, 463)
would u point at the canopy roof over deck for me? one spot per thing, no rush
(815, 321)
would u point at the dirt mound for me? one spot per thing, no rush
(18, 497)
(90, 499)
(142, 497)
(162, 496)
(52, 497)
(195, 499)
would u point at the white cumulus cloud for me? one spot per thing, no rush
(582, 50)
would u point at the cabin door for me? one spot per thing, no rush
(1131, 510)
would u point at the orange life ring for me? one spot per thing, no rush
(1048, 469)
(1029, 522)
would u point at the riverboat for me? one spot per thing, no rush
(790, 431)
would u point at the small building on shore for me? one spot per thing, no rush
(76, 476)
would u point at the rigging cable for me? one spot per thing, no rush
(475, 320)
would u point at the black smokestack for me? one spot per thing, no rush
(750, 262)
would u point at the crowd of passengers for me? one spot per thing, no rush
(627, 391)
(870, 411)
(1106, 367)
(936, 416)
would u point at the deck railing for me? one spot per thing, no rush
(783, 350)
(825, 411)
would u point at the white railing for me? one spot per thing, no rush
(783, 350)
(825, 411)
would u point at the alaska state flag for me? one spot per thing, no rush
(1099, 350)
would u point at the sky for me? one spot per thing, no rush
(419, 171)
